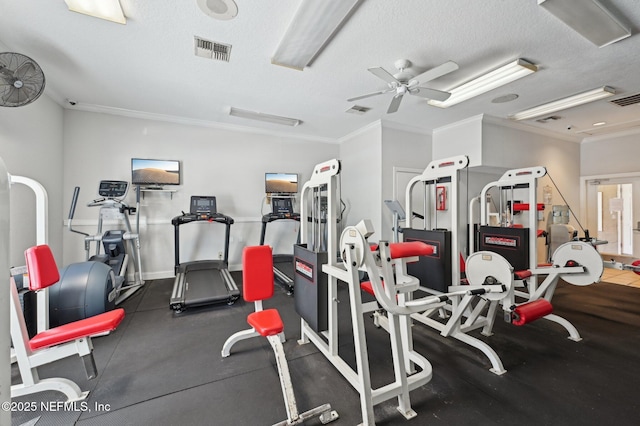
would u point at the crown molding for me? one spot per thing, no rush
(192, 122)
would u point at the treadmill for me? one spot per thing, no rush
(202, 282)
(282, 209)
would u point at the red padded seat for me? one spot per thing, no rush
(97, 324)
(266, 322)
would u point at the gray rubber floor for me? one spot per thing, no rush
(160, 368)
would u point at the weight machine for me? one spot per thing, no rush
(385, 265)
(440, 273)
(576, 262)
(317, 273)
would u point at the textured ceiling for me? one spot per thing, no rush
(148, 65)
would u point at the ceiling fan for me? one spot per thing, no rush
(404, 82)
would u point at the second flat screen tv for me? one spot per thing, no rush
(281, 183)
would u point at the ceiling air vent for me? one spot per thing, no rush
(357, 109)
(629, 100)
(212, 49)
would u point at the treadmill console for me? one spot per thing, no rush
(282, 208)
(112, 189)
(203, 206)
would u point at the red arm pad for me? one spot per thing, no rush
(101, 323)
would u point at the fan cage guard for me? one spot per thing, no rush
(21, 80)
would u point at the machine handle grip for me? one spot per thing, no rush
(74, 201)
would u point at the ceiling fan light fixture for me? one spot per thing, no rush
(492, 80)
(314, 23)
(589, 18)
(268, 118)
(109, 10)
(565, 103)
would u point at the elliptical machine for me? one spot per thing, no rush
(114, 242)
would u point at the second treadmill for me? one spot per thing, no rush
(202, 282)
(282, 208)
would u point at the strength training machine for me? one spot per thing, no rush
(202, 282)
(577, 262)
(440, 272)
(56, 343)
(317, 273)
(83, 290)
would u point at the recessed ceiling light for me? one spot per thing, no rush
(600, 123)
(219, 9)
(506, 98)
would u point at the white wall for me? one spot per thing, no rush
(401, 148)
(460, 138)
(227, 163)
(612, 155)
(360, 156)
(31, 140)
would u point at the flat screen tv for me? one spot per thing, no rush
(281, 183)
(147, 172)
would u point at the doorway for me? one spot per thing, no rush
(612, 215)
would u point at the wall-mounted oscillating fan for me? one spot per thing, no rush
(21, 80)
(405, 82)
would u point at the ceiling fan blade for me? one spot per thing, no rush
(383, 74)
(24, 70)
(367, 95)
(434, 73)
(395, 104)
(436, 95)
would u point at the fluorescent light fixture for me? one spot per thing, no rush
(103, 9)
(494, 79)
(589, 18)
(560, 104)
(311, 28)
(275, 119)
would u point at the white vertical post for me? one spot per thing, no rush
(42, 237)
(5, 339)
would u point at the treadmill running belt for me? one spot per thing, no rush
(205, 286)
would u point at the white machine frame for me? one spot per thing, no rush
(42, 237)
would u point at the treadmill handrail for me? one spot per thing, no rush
(189, 218)
(213, 217)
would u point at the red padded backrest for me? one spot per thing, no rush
(257, 273)
(41, 267)
(410, 249)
